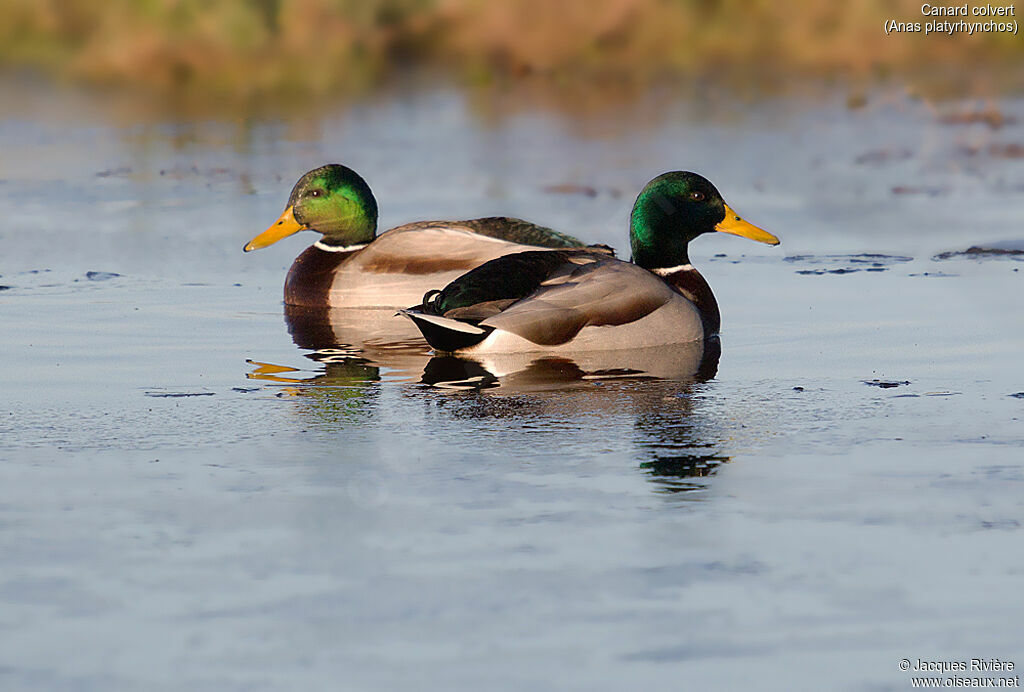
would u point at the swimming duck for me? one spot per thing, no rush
(352, 266)
(583, 300)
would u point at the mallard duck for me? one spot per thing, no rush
(352, 266)
(582, 300)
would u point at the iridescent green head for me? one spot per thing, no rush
(333, 200)
(675, 208)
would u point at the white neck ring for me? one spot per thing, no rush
(336, 248)
(665, 271)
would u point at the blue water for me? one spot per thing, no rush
(193, 500)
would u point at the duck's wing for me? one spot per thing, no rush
(505, 228)
(586, 291)
(519, 231)
(422, 248)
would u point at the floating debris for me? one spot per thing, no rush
(830, 271)
(885, 384)
(177, 395)
(863, 258)
(101, 276)
(1006, 248)
(854, 263)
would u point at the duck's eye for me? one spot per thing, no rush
(315, 193)
(697, 196)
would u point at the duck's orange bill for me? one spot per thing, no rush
(285, 226)
(736, 226)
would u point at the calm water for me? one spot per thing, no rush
(198, 493)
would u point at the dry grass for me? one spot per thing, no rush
(249, 47)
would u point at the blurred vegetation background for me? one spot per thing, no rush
(247, 48)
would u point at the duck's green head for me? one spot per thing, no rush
(675, 208)
(333, 200)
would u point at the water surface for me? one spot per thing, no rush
(202, 492)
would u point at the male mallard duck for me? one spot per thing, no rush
(582, 300)
(351, 266)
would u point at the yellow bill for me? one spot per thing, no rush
(285, 226)
(736, 226)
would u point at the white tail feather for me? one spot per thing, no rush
(444, 322)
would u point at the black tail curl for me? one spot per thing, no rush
(430, 302)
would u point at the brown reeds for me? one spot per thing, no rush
(245, 47)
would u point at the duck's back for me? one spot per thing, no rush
(395, 270)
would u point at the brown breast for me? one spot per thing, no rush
(310, 278)
(695, 288)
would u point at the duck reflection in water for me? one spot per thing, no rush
(376, 337)
(696, 360)
(347, 344)
(676, 445)
(681, 445)
(359, 349)
(344, 393)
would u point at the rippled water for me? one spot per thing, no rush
(201, 491)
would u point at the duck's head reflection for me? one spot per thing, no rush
(680, 445)
(680, 472)
(655, 388)
(343, 392)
